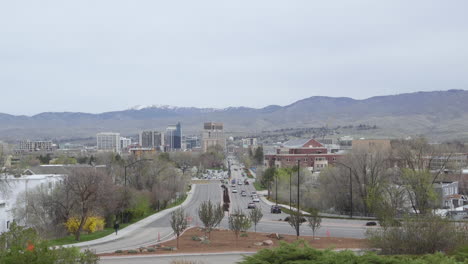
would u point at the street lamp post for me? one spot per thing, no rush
(298, 210)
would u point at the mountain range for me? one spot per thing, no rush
(438, 115)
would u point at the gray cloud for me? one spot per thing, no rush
(97, 56)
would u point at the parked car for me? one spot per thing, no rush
(275, 209)
(234, 190)
(251, 206)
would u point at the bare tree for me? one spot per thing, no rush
(295, 220)
(256, 215)
(210, 215)
(314, 221)
(178, 222)
(88, 188)
(239, 222)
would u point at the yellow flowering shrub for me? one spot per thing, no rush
(92, 224)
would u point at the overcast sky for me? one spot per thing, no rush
(103, 55)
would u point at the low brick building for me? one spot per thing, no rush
(309, 152)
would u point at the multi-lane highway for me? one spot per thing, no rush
(149, 232)
(271, 223)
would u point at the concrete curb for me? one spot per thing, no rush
(129, 229)
(281, 205)
(178, 255)
(358, 251)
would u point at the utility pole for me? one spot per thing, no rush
(298, 210)
(351, 192)
(290, 189)
(276, 186)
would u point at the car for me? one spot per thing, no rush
(275, 209)
(234, 190)
(252, 194)
(251, 206)
(246, 182)
(239, 182)
(255, 199)
(233, 185)
(244, 194)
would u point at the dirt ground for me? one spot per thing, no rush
(225, 241)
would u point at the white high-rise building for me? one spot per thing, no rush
(125, 143)
(108, 141)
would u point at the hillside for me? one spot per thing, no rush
(438, 115)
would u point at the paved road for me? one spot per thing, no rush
(202, 258)
(270, 222)
(147, 234)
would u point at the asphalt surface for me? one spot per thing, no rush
(159, 229)
(271, 223)
(200, 258)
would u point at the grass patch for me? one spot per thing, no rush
(249, 174)
(258, 186)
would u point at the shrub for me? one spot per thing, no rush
(244, 235)
(301, 252)
(206, 242)
(196, 238)
(23, 245)
(151, 250)
(92, 224)
(419, 235)
(118, 251)
(132, 251)
(140, 205)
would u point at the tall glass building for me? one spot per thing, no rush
(173, 137)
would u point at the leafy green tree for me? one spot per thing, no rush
(268, 177)
(420, 190)
(45, 159)
(258, 156)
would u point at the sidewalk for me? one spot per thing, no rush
(131, 228)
